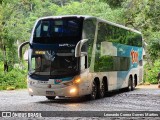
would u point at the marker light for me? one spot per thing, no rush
(73, 90)
(40, 52)
(77, 80)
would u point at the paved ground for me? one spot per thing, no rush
(144, 98)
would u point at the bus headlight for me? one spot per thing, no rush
(73, 91)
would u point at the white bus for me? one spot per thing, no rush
(74, 56)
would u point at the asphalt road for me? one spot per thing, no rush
(144, 98)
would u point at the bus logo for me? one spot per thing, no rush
(58, 80)
(66, 45)
(134, 56)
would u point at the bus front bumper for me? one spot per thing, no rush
(68, 91)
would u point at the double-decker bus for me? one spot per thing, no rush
(76, 56)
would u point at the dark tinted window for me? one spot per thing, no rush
(111, 63)
(56, 30)
(115, 34)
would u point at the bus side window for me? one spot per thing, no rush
(83, 62)
(89, 29)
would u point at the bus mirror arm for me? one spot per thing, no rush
(79, 46)
(20, 49)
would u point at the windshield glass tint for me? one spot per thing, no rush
(57, 30)
(47, 63)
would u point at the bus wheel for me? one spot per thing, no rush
(131, 85)
(93, 94)
(50, 97)
(102, 90)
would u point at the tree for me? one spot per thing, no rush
(144, 16)
(154, 49)
(113, 3)
(13, 13)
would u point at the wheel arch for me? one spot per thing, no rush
(97, 80)
(135, 79)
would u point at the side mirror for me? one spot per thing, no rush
(79, 46)
(20, 49)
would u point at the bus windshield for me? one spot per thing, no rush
(47, 63)
(51, 31)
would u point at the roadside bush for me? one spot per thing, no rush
(150, 73)
(13, 79)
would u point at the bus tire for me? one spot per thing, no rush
(50, 97)
(131, 85)
(93, 94)
(102, 90)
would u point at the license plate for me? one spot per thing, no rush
(50, 92)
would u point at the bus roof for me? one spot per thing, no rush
(87, 17)
(66, 16)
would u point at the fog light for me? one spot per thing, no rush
(30, 90)
(73, 90)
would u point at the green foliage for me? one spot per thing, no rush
(151, 73)
(104, 63)
(154, 49)
(92, 8)
(144, 16)
(14, 79)
(114, 3)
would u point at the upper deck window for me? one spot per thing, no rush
(111, 33)
(57, 30)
